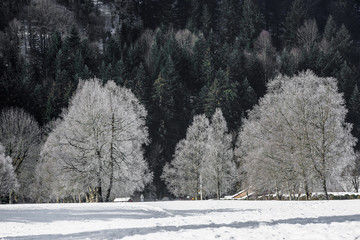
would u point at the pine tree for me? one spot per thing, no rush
(229, 20)
(78, 67)
(167, 92)
(197, 64)
(206, 23)
(206, 68)
(105, 74)
(294, 19)
(213, 98)
(248, 95)
(354, 113)
(251, 23)
(288, 65)
(330, 29)
(85, 73)
(120, 73)
(195, 21)
(142, 87)
(112, 51)
(345, 79)
(167, 12)
(72, 42)
(181, 12)
(342, 41)
(54, 47)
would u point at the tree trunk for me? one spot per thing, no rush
(201, 190)
(111, 182)
(218, 189)
(99, 193)
(98, 189)
(11, 195)
(325, 189)
(307, 191)
(112, 158)
(355, 183)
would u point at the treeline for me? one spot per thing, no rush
(180, 58)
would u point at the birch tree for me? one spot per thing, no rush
(297, 135)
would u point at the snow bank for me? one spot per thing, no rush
(184, 220)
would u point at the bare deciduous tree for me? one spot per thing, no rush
(297, 136)
(21, 136)
(8, 181)
(99, 143)
(203, 162)
(308, 35)
(266, 53)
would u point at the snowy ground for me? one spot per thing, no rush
(184, 220)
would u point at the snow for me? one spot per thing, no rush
(183, 220)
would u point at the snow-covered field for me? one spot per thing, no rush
(184, 220)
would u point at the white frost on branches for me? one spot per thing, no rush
(8, 181)
(98, 144)
(297, 138)
(203, 162)
(21, 137)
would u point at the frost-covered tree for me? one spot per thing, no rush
(297, 137)
(351, 175)
(203, 161)
(8, 181)
(185, 174)
(222, 171)
(99, 142)
(266, 54)
(21, 136)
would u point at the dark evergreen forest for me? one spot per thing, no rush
(179, 57)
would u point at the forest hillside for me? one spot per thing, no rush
(179, 58)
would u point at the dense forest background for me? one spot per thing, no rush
(179, 57)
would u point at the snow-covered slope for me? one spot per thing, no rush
(184, 220)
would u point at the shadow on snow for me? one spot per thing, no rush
(120, 233)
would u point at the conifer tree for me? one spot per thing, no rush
(120, 73)
(142, 87)
(206, 23)
(196, 14)
(288, 65)
(251, 23)
(330, 29)
(293, 21)
(229, 20)
(72, 42)
(354, 112)
(346, 79)
(248, 95)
